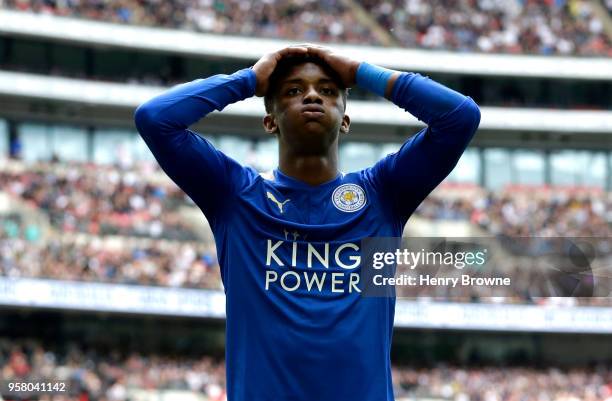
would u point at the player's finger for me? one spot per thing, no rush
(293, 50)
(318, 47)
(317, 51)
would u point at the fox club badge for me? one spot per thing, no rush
(349, 198)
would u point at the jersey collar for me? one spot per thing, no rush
(288, 181)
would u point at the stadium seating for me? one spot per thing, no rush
(108, 274)
(565, 27)
(94, 375)
(517, 27)
(102, 200)
(530, 211)
(114, 255)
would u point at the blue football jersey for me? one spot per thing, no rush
(297, 325)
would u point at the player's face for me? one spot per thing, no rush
(309, 109)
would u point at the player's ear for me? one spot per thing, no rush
(346, 123)
(269, 124)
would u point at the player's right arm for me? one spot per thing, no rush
(207, 175)
(203, 172)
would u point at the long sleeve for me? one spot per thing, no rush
(424, 160)
(208, 176)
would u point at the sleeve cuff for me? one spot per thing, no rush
(251, 80)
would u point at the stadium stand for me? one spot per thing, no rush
(529, 26)
(93, 375)
(68, 253)
(98, 243)
(102, 200)
(306, 20)
(565, 27)
(84, 258)
(532, 211)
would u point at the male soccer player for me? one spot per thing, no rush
(289, 244)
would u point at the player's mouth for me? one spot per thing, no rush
(313, 111)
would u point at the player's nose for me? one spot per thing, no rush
(312, 95)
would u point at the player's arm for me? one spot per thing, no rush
(191, 161)
(203, 172)
(425, 159)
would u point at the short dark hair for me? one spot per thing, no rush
(283, 68)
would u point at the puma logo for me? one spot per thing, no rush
(279, 204)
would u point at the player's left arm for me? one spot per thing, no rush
(424, 160)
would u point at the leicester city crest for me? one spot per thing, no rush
(349, 197)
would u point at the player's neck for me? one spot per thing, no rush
(313, 170)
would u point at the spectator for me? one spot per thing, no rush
(101, 376)
(102, 200)
(564, 27)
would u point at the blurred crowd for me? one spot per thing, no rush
(310, 20)
(536, 213)
(122, 225)
(566, 27)
(544, 27)
(102, 200)
(552, 234)
(120, 260)
(96, 376)
(505, 384)
(537, 282)
(112, 260)
(93, 375)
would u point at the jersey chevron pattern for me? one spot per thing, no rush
(297, 327)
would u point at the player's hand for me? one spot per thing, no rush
(344, 66)
(265, 66)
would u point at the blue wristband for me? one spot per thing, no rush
(373, 77)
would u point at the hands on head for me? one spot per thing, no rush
(345, 67)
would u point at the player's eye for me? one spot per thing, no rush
(293, 91)
(327, 91)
